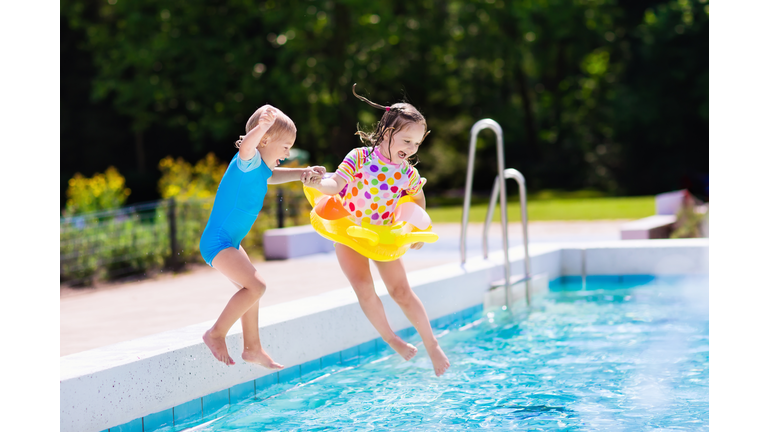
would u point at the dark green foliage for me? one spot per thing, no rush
(608, 95)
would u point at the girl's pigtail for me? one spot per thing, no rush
(240, 141)
(383, 125)
(373, 104)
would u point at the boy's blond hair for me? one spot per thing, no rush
(283, 128)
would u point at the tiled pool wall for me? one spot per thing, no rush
(170, 378)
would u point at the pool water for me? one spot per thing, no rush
(613, 356)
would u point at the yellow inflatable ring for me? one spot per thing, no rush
(377, 242)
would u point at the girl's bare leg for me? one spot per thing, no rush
(235, 266)
(355, 267)
(394, 277)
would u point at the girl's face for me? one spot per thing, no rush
(405, 143)
(275, 150)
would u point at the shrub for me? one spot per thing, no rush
(690, 220)
(182, 181)
(100, 192)
(106, 245)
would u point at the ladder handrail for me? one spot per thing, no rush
(511, 173)
(476, 128)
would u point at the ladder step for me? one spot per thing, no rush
(512, 280)
(495, 297)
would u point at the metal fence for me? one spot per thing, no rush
(159, 234)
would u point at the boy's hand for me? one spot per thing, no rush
(267, 119)
(319, 169)
(311, 176)
(417, 245)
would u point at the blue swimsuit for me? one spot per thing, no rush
(238, 201)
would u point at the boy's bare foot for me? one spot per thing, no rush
(439, 360)
(406, 350)
(261, 358)
(218, 347)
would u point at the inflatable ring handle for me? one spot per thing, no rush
(425, 237)
(364, 233)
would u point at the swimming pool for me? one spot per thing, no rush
(619, 354)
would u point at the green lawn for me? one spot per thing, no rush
(555, 209)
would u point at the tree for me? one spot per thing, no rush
(581, 88)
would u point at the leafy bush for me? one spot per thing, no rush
(183, 181)
(100, 192)
(690, 222)
(106, 245)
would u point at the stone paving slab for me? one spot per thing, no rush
(91, 318)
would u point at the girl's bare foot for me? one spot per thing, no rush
(406, 350)
(261, 358)
(439, 360)
(218, 347)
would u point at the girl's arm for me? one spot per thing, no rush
(252, 139)
(330, 186)
(420, 199)
(285, 175)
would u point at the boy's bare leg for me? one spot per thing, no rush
(252, 349)
(355, 267)
(394, 277)
(235, 266)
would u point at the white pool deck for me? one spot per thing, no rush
(137, 369)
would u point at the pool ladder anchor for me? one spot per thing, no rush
(499, 193)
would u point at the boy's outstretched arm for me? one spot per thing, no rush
(285, 175)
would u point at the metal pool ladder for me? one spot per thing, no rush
(499, 192)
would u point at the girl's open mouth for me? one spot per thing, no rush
(401, 154)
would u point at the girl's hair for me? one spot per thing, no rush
(395, 118)
(282, 128)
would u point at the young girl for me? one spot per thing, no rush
(269, 136)
(366, 178)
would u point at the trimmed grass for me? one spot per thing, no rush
(555, 209)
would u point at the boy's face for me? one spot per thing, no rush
(275, 151)
(405, 143)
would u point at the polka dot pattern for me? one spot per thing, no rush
(376, 187)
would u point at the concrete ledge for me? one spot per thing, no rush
(138, 381)
(294, 242)
(641, 257)
(652, 227)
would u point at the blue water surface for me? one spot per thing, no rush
(609, 356)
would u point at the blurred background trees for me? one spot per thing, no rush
(610, 95)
